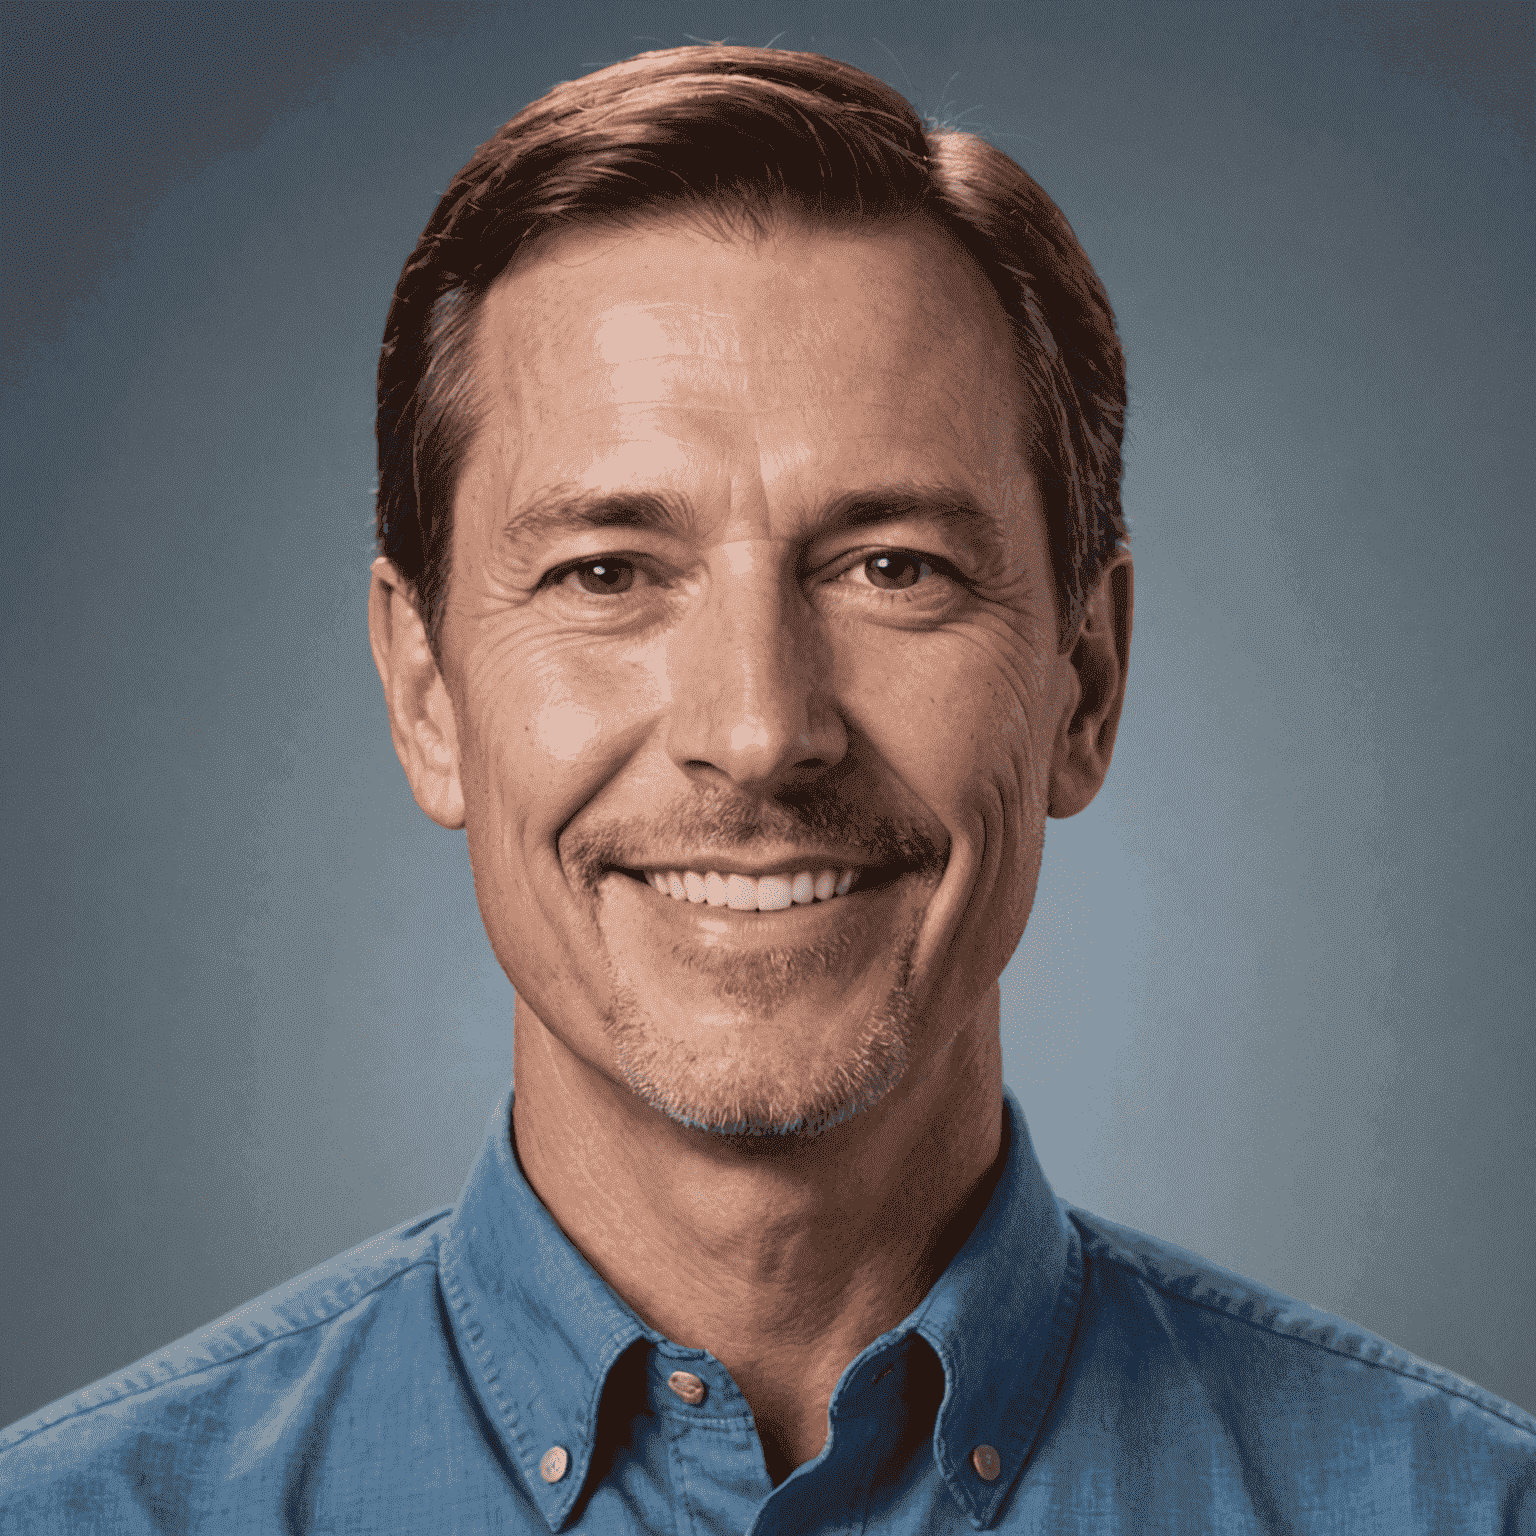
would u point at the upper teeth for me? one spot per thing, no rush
(767, 893)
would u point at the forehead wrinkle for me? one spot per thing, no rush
(677, 328)
(713, 357)
(691, 343)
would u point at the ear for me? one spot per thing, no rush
(421, 719)
(1094, 682)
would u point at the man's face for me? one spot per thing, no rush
(749, 578)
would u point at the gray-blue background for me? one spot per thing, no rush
(1276, 998)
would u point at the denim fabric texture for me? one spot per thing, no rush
(418, 1382)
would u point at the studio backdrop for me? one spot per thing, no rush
(1275, 1000)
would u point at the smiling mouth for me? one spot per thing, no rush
(774, 892)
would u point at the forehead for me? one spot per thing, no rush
(793, 359)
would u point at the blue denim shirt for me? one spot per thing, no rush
(469, 1371)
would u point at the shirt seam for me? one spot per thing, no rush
(1048, 1374)
(469, 1333)
(1128, 1263)
(290, 1332)
(461, 1304)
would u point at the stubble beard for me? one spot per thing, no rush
(760, 1094)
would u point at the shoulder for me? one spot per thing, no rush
(198, 1397)
(1183, 1295)
(1222, 1382)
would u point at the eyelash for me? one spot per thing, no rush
(557, 577)
(935, 565)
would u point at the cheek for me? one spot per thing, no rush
(564, 732)
(547, 725)
(962, 720)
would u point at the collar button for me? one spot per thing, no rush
(987, 1462)
(687, 1386)
(553, 1463)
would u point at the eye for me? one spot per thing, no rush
(894, 570)
(606, 576)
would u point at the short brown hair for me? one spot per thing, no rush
(746, 129)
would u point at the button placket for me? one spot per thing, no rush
(716, 1457)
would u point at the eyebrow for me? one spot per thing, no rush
(945, 505)
(566, 508)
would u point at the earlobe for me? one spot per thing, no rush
(421, 719)
(1095, 683)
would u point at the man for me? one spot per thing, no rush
(753, 585)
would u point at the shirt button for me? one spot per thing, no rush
(987, 1462)
(687, 1386)
(553, 1463)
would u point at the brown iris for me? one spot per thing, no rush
(605, 577)
(892, 572)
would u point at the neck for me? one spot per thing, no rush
(785, 1257)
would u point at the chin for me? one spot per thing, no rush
(763, 1075)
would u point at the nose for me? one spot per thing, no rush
(749, 678)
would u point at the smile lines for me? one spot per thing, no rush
(742, 893)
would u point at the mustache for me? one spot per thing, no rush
(723, 819)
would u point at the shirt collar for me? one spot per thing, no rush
(539, 1330)
(1000, 1319)
(537, 1326)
